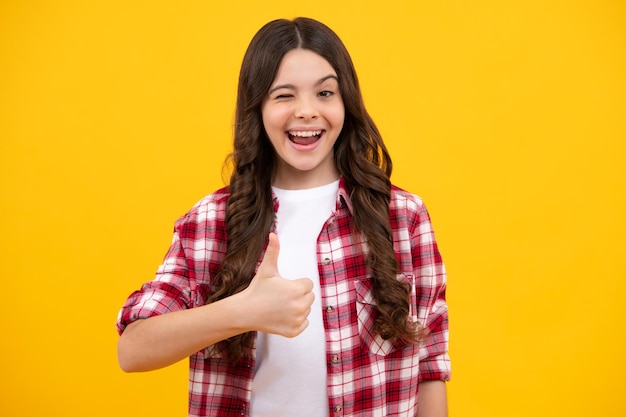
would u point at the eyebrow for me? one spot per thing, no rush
(291, 86)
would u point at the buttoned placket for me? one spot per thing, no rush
(331, 318)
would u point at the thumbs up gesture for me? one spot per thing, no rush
(278, 305)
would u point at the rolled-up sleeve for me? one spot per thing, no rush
(432, 309)
(169, 291)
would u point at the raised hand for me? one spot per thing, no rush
(277, 305)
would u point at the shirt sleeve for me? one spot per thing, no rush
(432, 309)
(169, 291)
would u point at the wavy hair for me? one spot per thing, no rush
(361, 159)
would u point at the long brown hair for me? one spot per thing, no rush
(361, 158)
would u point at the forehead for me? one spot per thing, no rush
(302, 65)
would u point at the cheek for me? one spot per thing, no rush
(339, 116)
(265, 117)
(339, 112)
(274, 119)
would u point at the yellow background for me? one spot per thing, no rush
(507, 117)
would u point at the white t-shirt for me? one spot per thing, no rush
(290, 378)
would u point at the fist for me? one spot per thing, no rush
(278, 305)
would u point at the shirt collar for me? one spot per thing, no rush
(343, 196)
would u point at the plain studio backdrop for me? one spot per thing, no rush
(507, 117)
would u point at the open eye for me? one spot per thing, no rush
(325, 93)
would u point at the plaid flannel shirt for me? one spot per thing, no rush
(367, 376)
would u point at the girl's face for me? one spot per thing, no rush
(303, 115)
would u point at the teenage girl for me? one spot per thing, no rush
(310, 285)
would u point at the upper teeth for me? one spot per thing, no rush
(305, 134)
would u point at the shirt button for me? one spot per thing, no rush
(329, 309)
(326, 261)
(338, 408)
(335, 359)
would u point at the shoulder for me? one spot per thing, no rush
(408, 210)
(405, 201)
(210, 209)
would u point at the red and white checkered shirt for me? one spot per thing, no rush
(367, 376)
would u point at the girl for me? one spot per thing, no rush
(310, 286)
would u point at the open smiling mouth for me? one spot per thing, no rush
(305, 138)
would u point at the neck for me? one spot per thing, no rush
(301, 180)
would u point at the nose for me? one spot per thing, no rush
(305, 109)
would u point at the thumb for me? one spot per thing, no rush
(269, 264)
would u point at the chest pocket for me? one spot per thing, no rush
(367, 312)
